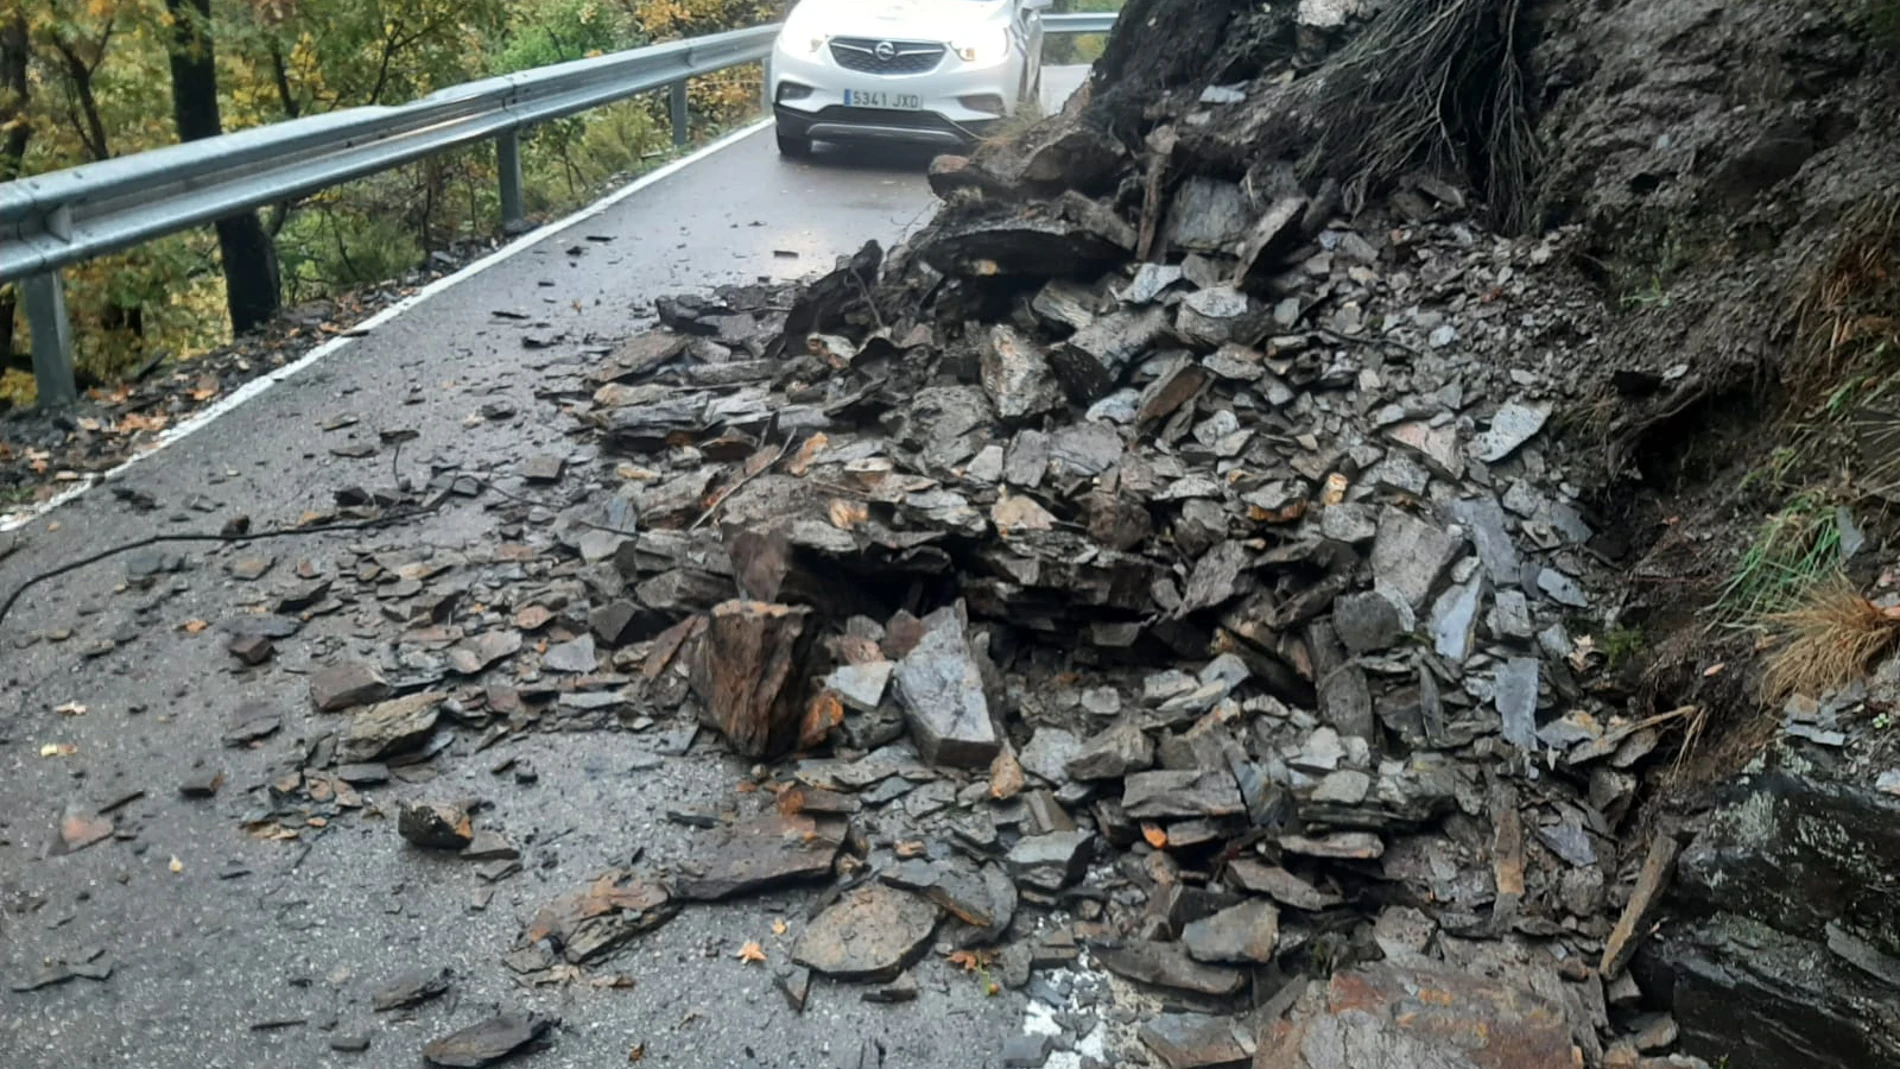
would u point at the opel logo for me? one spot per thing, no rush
(885, 51)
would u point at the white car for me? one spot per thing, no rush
(931, 72)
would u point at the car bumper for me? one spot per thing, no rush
(955, 104)
(839, 123)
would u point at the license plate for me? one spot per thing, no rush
(858, 98)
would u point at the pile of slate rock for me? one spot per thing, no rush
(1196, 598)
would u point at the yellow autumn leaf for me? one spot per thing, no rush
(779, 927)
(176, 865)
(752, 953)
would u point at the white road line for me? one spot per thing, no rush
(256, 386)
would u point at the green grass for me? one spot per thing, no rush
(1622, 645)
(1793, 551)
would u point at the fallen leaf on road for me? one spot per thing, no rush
(176, 865)
(71, 709)
(752, 953)
(779, 927)
(59, 749)
(638, 1052)
(971, 960)
(1156, 835)
(192, 627)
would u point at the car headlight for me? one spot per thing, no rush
(988, 46)
(801, 35)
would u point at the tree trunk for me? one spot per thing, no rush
(14, 55)
(253, 290)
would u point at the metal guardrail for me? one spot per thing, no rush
(54, 220)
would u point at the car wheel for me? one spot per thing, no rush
(795, 147)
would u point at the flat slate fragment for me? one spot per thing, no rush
(1168, 795)
(488, 1042)
(767, 851)
(1195, 1041)
(872, 933)
(411, 989)
(1168, 965)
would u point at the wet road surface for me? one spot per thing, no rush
(239, 932)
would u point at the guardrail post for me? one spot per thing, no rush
(765, 85)
(52, 339)
(508, 162)
(677, 106)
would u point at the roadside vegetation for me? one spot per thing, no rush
(88, 80)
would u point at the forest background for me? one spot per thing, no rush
(88, 80)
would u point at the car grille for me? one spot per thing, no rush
(906, 57)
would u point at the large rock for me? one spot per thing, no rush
(1383, 1017)
(1745, 994)
(941, 690)
(872, 933)
(1801, 853)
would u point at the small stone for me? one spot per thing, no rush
(411, 989)
(346, 685)
(543, 468)
(795, 984)
(1280, 885)
(1515, 695)
(1454, 620)
(350, 1042)
(1246, 933)
(575, 656)
(1514, 424)
(252, 650)
(203, 784)
(1346, 787)
(1048, 754)
(902, 989)
(861, 686)
(252, 721)
(389, 728)
(1050, 862)
(1168, 965)
(490, 846)
(1198, 1041)
(488, 1042)
(1409, 556)
(435, 825)
(1339, 846)
(1370, 621)
(476, 654)
(1026, 1051)
(941, 690)
(1114, 753)
(1562, 589)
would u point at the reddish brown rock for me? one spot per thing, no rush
(1379, 1015)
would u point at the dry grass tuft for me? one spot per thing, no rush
(1850, 300)
(1832, 638)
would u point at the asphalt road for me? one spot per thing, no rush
(246, 932)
